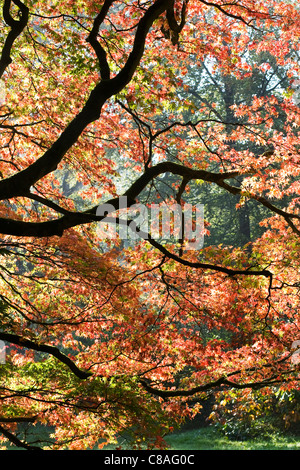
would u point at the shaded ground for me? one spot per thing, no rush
(199, 438)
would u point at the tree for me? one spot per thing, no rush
(228, 91)
(107, 338)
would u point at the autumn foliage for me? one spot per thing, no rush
(159, 101)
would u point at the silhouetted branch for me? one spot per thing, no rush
(55, 352)
(16, 26)
(12, 438)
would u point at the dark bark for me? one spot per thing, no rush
(17, 26)
(20, 183)
(17, 441)
(55, 352)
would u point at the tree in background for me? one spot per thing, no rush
(101, 108)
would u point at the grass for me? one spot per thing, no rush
(210, 439)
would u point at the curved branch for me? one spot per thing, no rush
(222, 381)
(203, 388)
(213, 267)
(55, 352)
(232, 15)
(16, 26)
(153, 12)
(92, 39)
(286, 215)
(175, 27)
(72, 219)
(20, 183)
(15, 440)
(176, 169)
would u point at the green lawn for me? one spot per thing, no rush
(210, 439)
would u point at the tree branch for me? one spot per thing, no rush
(72, 219)
(286, 215)
(232, 15)
(222, 381)
(16, 26)
(12, 438)
(20, 183)
(55, 352)
(18, 419)
(213, 267)
(92, 39)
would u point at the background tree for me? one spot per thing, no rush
(220, 93)
(101, 102)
